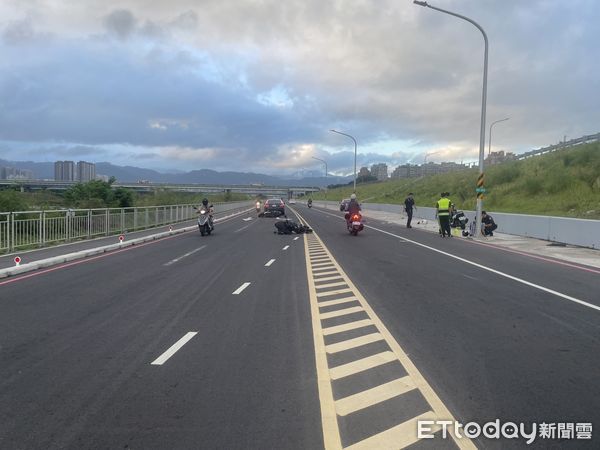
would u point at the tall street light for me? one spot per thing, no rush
(480, 190)
(351, 137)
(323, 161)
(490, 139)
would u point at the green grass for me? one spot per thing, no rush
(563, 183)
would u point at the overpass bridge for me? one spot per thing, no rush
(251, 189)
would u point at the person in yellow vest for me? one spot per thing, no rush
(443, 214)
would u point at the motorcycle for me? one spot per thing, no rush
(205, 223)
(459, 220)
(354, 223)
(257, 207)
(309, 203)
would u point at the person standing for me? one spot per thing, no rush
(409, 204)
(443, 214)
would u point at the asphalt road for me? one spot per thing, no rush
(82, 347)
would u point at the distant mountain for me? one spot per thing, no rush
(45, 170)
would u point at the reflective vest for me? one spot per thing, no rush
(443, 205)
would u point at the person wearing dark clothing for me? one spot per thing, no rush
(353, 207)
(488, 224)
(409, 204)
(443, 214)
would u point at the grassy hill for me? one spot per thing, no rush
(563, 183)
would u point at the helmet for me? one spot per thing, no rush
(353, 197)
(205, 201)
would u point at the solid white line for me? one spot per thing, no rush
(243, 228)
(241, 288)
(173, 261)
(497, 272)
(173, 349)
(286, 247)
(269, 263)
(489, 269)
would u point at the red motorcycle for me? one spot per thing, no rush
(354, 223)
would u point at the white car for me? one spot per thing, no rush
(292, 201)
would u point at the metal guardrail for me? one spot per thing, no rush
(26, 229)
(551, 148)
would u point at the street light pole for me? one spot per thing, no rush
(355, 145)
(490, 138)
(483, 110)
(323, 161)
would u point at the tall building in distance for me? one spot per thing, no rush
(364, 172)
(67, 171)
(86, 171)
(64, 171)
(380, 171)
(424, 170)
(499, 157)
(13, 173)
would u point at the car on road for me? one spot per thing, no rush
(292, 201)
(344, 204)
(274, 206)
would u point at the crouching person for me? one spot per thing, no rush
(488, 224)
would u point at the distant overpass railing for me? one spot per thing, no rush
(551, 148)
(30, 229)
(259, 189)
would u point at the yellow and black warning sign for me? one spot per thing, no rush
(480, 189)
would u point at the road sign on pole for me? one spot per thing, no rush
(121, 238)
(17, 260)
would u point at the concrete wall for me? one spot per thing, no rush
(581, 232)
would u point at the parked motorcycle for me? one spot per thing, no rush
(354, 223)
(459, 220)
(205, 223)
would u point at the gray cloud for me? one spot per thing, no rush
(121, 23)
(260, 80)
(18, 32)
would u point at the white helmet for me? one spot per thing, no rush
(353, 197)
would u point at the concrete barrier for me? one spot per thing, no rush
(580, 232)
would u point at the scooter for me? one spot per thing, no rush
(205, 223)
(459, 220)
(354, 223)
(309, 203)
(258, 207)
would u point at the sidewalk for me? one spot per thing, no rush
(578, 255)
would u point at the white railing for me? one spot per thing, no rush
(28, 229)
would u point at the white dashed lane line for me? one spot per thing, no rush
(241, 288)
(173, 349)
(173, 261)
(271, 261)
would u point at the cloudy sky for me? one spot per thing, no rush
(257, 84)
